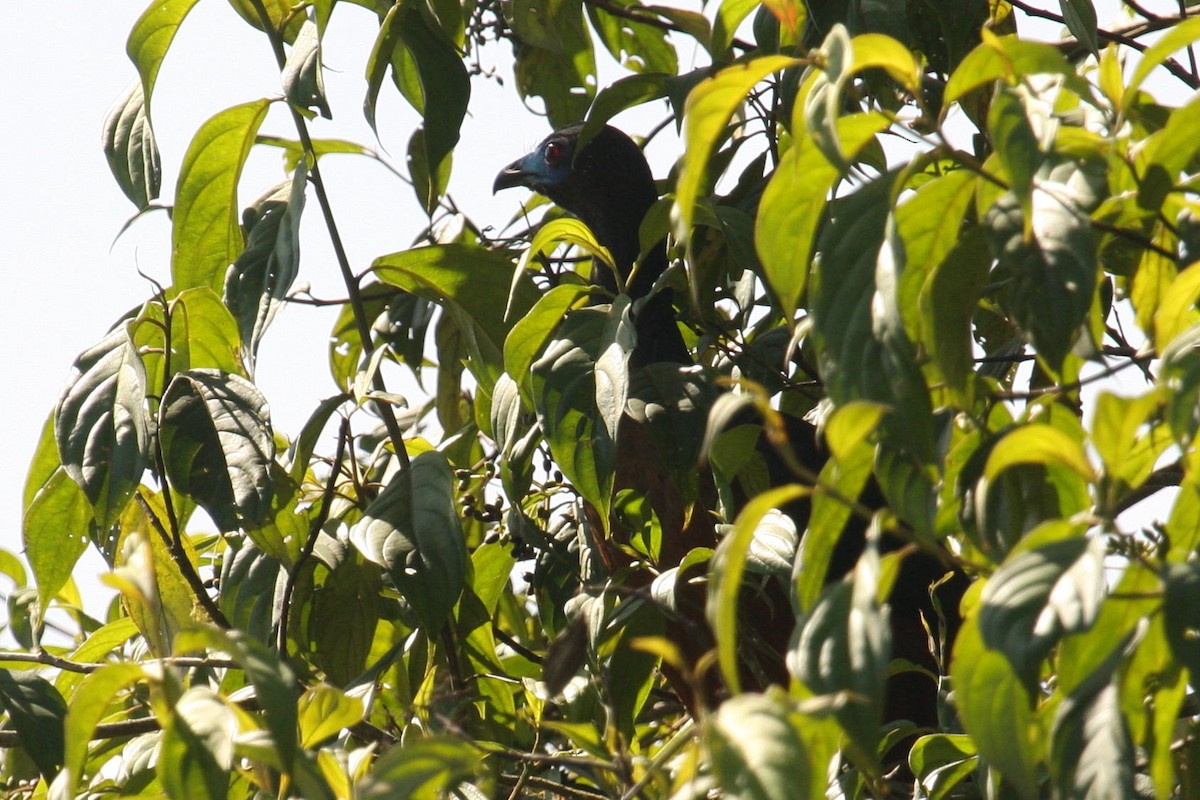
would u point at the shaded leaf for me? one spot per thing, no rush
(259, 280)
(411, 530)
(100, 424)
(217, 445)
(130, 148)
(37, 711)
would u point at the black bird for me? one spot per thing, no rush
(609, 186)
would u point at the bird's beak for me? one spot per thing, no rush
(515, 174)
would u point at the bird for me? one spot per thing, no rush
(608, 185)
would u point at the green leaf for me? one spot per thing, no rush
(258, 282)
(445, 85)
(941, 761)
(1040, 594)
(89, 704)
(1091, 750)
(196, 750)
(726, 570)
(846, 473)
(324, 711)
(411, 529)
(420, 770)
(843, 647)
(1176, 311)
(579, 400)
(996, 709)
(1012, 59)
(56, 529)
(1080, 16)
(1038, 444)
(948, 301)
(217, 445)
(1175, 38)
(203, 335)
(272, 679)
(100, 424)
(303, 73)
(1181, 607)
(762, 748)
(1015, 142)
(637, 46)
(130, 148)
(151, 38)
(531, 332)
(205, 238)
(709, 107)
(470, 283)
(37, 711)
(1049, 260)
(555, 59)
(341, 626)
(794, 204)
(729, 16)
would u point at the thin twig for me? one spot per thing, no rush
(83, 668)
(348, 278)
(180, 557)
(314, 532)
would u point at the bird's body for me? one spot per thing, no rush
(609, 186)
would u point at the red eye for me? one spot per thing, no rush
(554, 152)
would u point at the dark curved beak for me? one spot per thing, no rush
(512, 175)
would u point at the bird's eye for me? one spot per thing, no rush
(554, 152)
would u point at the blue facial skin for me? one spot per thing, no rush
(547, 167)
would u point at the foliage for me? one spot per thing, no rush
(906, 219)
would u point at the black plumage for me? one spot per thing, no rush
(609, 186)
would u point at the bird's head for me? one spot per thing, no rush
(607, 183)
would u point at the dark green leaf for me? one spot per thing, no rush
(130, 148)
(341, 625)
(217, 445)
(580, 402)
(1091, 749)
(843, 646)
(1040, 594)
(1081, 22)
(1049, 263)
(259, 280)
(303, 74)
(424, 768)
(100, 424)
(762, 748)
(37, 711)
(411, 529)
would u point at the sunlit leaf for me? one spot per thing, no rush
(205, 237)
